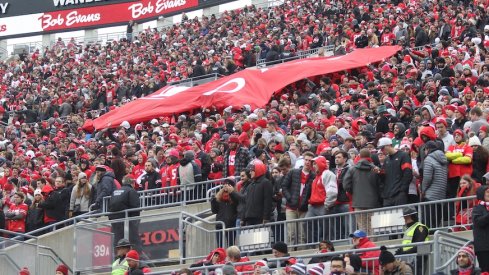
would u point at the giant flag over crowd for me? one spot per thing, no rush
(254, 87)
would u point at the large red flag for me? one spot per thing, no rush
(251, 86)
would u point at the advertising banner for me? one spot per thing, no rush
(67, 15)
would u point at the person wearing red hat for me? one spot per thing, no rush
(484, 136)
(443, 134)
(324, 191)
(460, 119)
(236, 157)
(203, 157)
(62, 270)
(24, 271)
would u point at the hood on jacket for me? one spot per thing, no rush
(430, 110)
(220, 251)
(293, 158)
(402, 130)
(480, 192)
(322, 164)
(259, 167)
(364, 164)
(46, 189)
(429, 132)
(145, 157)
(439, 156)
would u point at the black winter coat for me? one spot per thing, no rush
(122, 199)
(103, 188)
(480, 218)
(226, 211)
(34, 219)
(56, 204)
(259, 199)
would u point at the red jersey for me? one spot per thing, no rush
(171, 178)
(231, 167)
(458, 170)
(17, 225)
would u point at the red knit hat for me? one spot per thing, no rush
(233, 139)
(132, 255)
(24, 271)
(63, 269)
(246, 127)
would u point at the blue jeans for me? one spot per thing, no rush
(341, 224)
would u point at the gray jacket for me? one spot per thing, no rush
(435, 171)
(364, 185)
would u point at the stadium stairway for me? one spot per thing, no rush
(61, 244)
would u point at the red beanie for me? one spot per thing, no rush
(132, 255)
(246, 127)
(24, 271)
(262, 123)
(63, 269)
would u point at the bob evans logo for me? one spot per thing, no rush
(48, 21)
(139, 9)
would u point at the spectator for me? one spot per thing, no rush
(480, 217)
(129, 30)
(258, 207)
(398, 174)
(24, 271)
(125, 199)
(16, 214)
(238, 195)
(324, 191)
(338, 266)
(463, 209)
(434, 185)
(480, 159)
(443, 134)
(363, 183)
(325, 246)
(234, 255)
(460, 157)
(81, 195)
(135, 267)
(361, 241)
(236, 158)
(342, 204)
(150, 180)
(465, 262)
(279, 250)
(55, 202)
(477, 120)
(62, 270)
(226, 211)
(117, 163)
(391, 266)
(295, 187)
(188, 174)
(215, 257)
(35, 215)
(103, 187)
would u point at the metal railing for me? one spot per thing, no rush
(298, 55)
(198, 80)
(173, 195)
(419, 261)
(306, 232)
(446, 247)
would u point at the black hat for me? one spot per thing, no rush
(280, 247)
(409, 211)
(123, 243)
(385, 256)
(100, 168)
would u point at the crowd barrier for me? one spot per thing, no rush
(307, 232)
(261, 62)
(174, 195)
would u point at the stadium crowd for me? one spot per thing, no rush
(412, 128)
